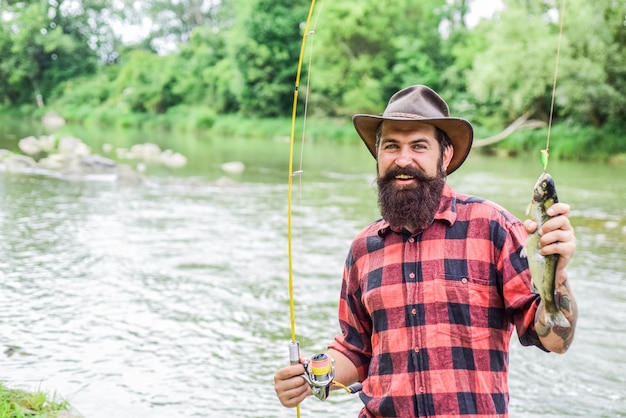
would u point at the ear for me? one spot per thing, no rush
(447, 156)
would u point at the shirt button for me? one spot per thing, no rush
(417, 349)
(421, 389)
(464, 280)
(411, 240)
(414, 311)
(412, 275)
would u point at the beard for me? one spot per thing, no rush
(411, 206)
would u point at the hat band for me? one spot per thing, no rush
(403, 115)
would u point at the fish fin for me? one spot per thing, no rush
(557, 319)
(533, 287)
(529, 208)
(524, 252)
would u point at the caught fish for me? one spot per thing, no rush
(543, 268)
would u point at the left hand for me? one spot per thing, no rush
(557, 234)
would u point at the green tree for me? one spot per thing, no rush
(459, 46)
(8, 94)
(171, 21)
(591, 85)
(206, 69)
(145, 83)
(199, 72)
(267, 41)
(48, 43)
(514, 73)
(366, 49)
(615, 14)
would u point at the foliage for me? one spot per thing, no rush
(46, 44)
(173, 22)
(365, 50)
(267, 55)
(240, 57)
(569, 142)
(592, 84)
(515, 73)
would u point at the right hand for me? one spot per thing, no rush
(290, 387)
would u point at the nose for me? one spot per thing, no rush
(404, 158)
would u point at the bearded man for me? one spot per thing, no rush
(432, 291)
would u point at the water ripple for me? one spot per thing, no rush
(171, 299)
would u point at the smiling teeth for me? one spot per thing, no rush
(404, 176)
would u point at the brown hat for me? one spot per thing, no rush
(419, 103)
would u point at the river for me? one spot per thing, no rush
(170, 298)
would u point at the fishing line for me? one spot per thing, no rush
(545, 152)
(307, 90)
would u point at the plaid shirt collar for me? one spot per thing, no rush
(446, 212)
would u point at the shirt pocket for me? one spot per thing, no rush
(462, 307)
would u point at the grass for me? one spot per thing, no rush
(16, 403)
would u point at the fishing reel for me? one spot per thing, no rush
(319, 372)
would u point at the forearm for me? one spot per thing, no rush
(558, 339)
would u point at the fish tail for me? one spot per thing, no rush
(557, 319)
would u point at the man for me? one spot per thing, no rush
(431, 292)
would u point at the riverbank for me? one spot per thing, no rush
(572, 143)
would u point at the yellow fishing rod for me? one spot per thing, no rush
(320, 368)
(294, 350)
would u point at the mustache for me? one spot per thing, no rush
(419, 175)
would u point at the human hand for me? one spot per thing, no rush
(290, 387)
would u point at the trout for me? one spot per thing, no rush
(543, 268)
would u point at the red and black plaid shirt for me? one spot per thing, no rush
(427, 318)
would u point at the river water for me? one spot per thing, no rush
(170, 298)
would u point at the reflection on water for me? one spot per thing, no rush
(170, 299)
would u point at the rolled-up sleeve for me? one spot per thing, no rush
(356, 326)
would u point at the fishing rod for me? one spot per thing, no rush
(294, 347)
(320, 368)
(294, 355)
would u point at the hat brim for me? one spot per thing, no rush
(459, 131)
